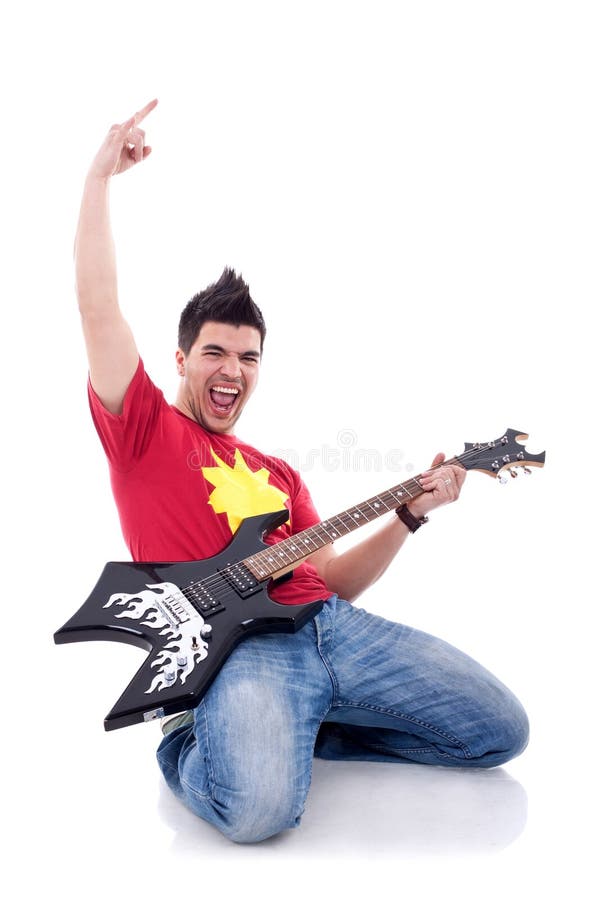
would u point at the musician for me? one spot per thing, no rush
(349, 685)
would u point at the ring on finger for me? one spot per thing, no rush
(447, 481)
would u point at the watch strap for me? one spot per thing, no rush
(411, 522)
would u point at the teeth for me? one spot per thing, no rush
(224, 390)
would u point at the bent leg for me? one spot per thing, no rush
(401, 694)
(245, 764)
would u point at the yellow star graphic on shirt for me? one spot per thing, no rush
(240, 492)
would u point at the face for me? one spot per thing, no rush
(219, 374)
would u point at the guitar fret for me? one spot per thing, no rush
(259, 564)
(280, 550)
(321, 534)
(308, 537)
(329, 528)
(416, 488)
(267, 561)
(348, 523)
(339, 518)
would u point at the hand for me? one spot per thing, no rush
(441, 485)
(123, 146)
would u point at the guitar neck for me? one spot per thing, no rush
(282, 557)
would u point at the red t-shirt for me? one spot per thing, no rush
(182, 491)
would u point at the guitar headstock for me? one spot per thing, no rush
(502, 457)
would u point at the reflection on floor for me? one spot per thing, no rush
(360, 808)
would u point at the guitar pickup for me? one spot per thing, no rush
(204, 600)
(241, 579)
(209, 607)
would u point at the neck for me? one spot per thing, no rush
(187, 406)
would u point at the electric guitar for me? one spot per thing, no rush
(191, 615)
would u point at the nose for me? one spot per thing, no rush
(230, 366)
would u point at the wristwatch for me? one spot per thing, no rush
(411, 522)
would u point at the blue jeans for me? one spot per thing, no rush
(349, 685)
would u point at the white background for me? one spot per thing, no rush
(411, 190)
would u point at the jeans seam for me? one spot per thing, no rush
(383, 748)
(184, 784)
(192, 790)
(328, 667)
(201, 710)
(395, 714)
(167, 765)
(327, 707)
(312, 756)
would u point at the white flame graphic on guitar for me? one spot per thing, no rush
(164, 607)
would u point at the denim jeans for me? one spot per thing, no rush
(349, 685)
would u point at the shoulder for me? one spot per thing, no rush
(127, 434)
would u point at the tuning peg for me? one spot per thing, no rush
(513, 472)
(526, 470)
(502, 479)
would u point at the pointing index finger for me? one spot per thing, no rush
(142, 113)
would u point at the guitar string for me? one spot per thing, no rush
(222, 586)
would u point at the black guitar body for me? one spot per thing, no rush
(189, 615)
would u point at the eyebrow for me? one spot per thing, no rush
(219, 349)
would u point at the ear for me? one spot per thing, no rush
(180, 360)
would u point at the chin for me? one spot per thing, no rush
(221, 425)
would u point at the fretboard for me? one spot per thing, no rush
(287, 554)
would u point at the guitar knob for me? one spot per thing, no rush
(170, 676)
(206, 631)
(182, 661)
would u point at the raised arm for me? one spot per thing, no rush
(111, 349)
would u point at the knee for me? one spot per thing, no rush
(248, 813)
(518, 733)
(249, 818)
(508, 737)
(255, 802)
(244, 768)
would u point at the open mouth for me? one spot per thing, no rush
(223, 399)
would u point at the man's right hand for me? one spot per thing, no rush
(123, 146)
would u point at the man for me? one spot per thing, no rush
(348, 685)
